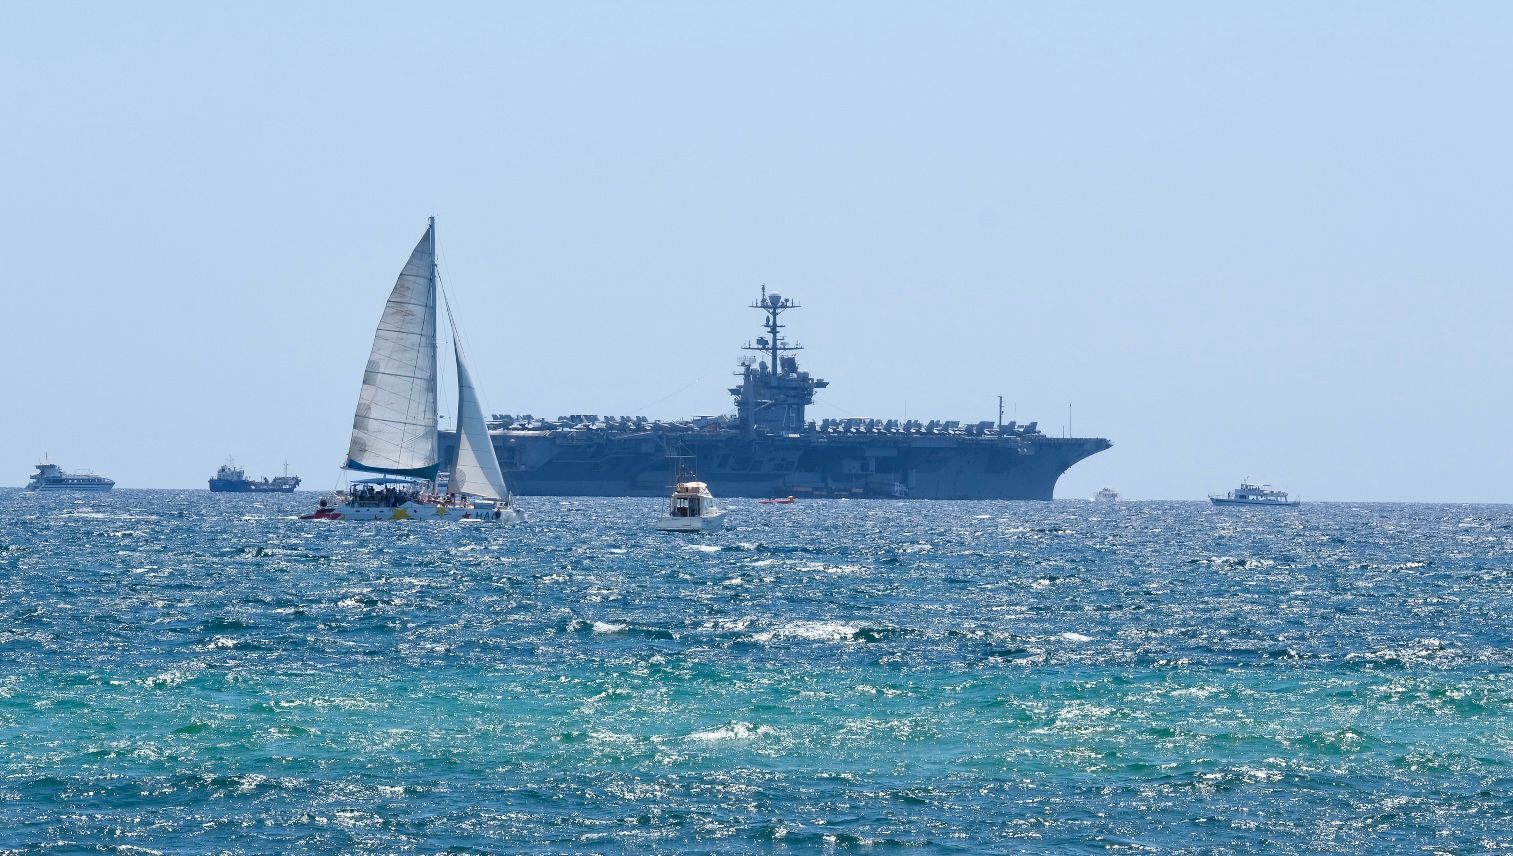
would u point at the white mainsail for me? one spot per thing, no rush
(476, 470)
(394, 428)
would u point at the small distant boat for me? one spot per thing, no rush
(231, 478)
(394, 434)
(1107, 494)
(50, 476)
(692, 509)
(1254, 494)
(776, 501)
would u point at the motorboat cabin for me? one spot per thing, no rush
(691, 509)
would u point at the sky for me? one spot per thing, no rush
(1240, 240)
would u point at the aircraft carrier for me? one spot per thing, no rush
(767, 448)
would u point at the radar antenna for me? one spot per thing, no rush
(773, 344)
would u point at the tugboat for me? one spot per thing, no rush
(50, 476)
(692, 509)
(1254, 494)
(1107, 494)
(231, 478)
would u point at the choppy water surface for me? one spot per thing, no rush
(186, 672)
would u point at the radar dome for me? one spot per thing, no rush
(774, 299)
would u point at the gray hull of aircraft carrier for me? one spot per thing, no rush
(768, 448)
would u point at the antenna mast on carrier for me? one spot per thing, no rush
(773, 393)
(773, 344)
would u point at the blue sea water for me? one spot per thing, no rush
(183, 672)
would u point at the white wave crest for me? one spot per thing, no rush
(733, 731)
(817, 631)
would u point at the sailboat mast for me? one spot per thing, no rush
(435, 285)
(435, 340)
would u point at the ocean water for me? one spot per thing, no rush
(182, 672)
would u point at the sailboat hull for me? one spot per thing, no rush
(417, 511)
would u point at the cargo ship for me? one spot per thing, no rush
(231, 478)
(767, 447)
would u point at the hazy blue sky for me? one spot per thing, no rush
(1268, 240)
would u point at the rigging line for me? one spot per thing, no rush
(396, 374)
(452, 316)
(457, 352)
(643, 408)
(445, 370)
(405, 303)
(400, 421)
(446, 299)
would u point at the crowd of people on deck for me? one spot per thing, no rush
(388, 497)
(393, 497)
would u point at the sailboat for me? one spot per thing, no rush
(394, 434)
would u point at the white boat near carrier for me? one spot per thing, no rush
(1107, 494)
(1254, 494)
(394, 431)
(691, 509)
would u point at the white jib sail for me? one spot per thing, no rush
(394, 428)
(477, 470)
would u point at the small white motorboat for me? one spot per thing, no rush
(692, 509)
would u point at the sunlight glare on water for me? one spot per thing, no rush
(191, 672)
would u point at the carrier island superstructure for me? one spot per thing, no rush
(767, 447)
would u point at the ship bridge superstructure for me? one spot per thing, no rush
(773, 392)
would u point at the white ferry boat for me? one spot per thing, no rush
(50, 476)
(1254, 494)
